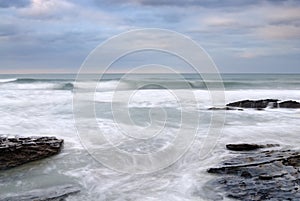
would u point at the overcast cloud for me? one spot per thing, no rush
(241, 36)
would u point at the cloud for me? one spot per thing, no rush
(46, 9)
(7, 30)
(251, 53)
(67, 14)
(185, 3)
(14, 3)
(220, 22)
(202, 3)
(280, 32)
(284, 15)
(62, 30)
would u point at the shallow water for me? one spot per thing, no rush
(43, 106)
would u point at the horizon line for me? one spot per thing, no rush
(64, 73)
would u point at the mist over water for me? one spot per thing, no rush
(34, 105)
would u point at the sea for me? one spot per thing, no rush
(44, 105)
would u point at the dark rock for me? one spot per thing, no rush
(248, 147)
(57, 193)
(19, 150)
(261, 104)
(289, 104)
(225, 108)
(258, 104)
(266, 175)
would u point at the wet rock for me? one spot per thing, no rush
(257, 104)
(248, 147)
(259, 175)
(261, 104)
(224, 108)
(57, 193)
(19, 150)
(289, 104)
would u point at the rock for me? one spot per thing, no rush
(259, 175)
(261, 104)
(248, 147)
(19, 150)
(57, 193)
(257, 104)
(289, 104)
(225, 108)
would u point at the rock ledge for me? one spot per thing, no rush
(19, 150)
(259, 175)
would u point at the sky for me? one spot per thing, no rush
(55, 36)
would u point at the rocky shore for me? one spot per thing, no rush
(19, 150)
(254, 174)
(15, 151)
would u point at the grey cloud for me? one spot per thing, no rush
(14, 3)
(202, 3)
(295, 23)
(68, 34)
(7, 30)
(171, 17)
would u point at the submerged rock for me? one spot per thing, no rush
(19, 150)
(248, 147)
(57, 193)
(260, 175)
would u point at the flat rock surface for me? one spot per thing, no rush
(259, 175)
(19, 150)
(57, 193)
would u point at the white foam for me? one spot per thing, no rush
(33, 111)
(8, 80)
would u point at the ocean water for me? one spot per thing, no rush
(35, 105)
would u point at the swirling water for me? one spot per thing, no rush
(33, 105)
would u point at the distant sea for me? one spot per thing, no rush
(34, 105)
